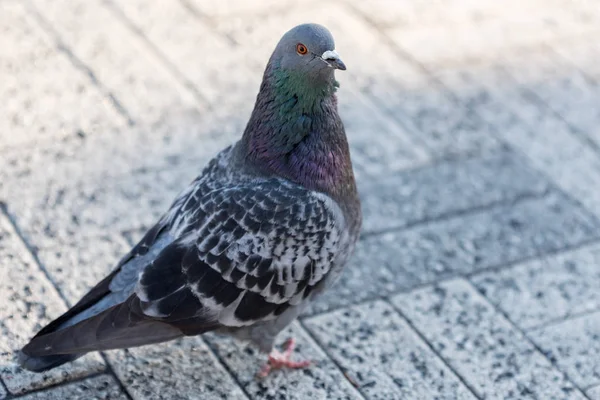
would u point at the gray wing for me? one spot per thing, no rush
(243, 255)
(223, 257)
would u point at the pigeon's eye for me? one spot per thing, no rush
(301, 49)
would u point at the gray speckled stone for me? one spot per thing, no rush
(378, 145)
(103, 387)
(400, 260)
(414, 14)
(243, 8)
(119, 59)
(494, 359)
(60, 212)
(322, 380)
(561, 86)
(447, 128)
(492, 29)
(32, 66)
(201, 55)
(593, 393)
(182, 136)
(79, 265)
(575, 97)
(523, 122)
(3, 392)
(549, 289)
(574, 346)
(373, 271)
(28, 302)
(484, 87)
(400, 199)
(581, 53)
(183, 369)
(375, 346)
(104, 183)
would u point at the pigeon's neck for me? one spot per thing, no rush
(295, 132)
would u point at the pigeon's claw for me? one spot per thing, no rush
(278, 360)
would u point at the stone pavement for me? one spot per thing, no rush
(475, 132)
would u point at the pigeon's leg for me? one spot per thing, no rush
(279, 360)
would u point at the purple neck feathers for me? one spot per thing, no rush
(295, 132)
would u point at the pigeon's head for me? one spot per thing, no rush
(308, 50)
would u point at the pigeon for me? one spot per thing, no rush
(267, 226)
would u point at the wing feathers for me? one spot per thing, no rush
(120, 326)
(269, 257)
(222, 256)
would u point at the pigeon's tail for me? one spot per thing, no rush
(120, 326)
(29, 361)
(44, 363)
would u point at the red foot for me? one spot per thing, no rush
(279, 360)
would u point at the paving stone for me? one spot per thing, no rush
(574, 97)
(401, 199)
(518, 23)
(78, 266)
(564, 88)
(119, 59)
(244, 8)
(384, 264)
(496, 360)
(55, 201)
(58, 215)
(582, 54)
(28, 303)
(528, 126)
(31, 65)
(488, 89)
(593, 393)
(101, 387)
(322, 380)
(183, 369)
(191, 141)
(375, 346)
(389, 14)
(550, 289)
(373, 271)
(204, 57)
(574, 347)
(448, 129)
(408, 15)
(110, 154)
(378, 145)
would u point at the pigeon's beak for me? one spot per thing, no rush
(332, 58)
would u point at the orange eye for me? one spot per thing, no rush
(301, 49)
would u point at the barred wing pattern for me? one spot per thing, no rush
(244, 254)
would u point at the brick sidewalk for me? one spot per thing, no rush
(475, 133)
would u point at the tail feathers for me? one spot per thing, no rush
(44, 363)
(121, 326)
